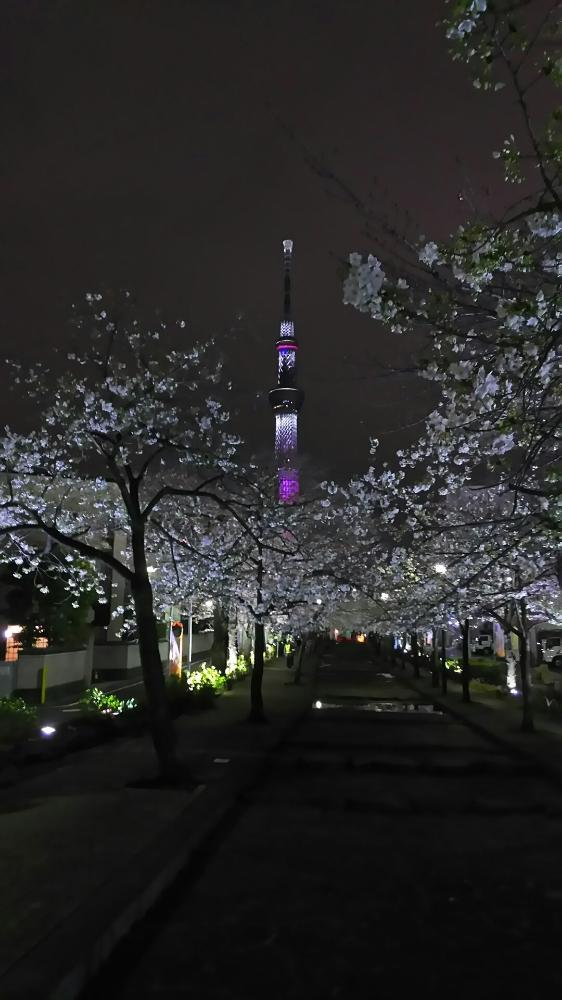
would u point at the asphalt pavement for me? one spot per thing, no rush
(388, 848)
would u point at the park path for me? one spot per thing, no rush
(84, 850)
(389, 847)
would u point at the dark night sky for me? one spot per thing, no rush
(141, 151)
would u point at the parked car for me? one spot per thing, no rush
(551, 648)
(482, 644)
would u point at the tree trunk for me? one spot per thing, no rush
(161, 725)
(219, 649)
(256, 696)
(527, 724)
(415, 654)
(435, 661)
(443, 661)
(465, 674)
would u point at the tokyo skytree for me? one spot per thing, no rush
(286, 399)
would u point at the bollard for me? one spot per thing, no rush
(43, 685)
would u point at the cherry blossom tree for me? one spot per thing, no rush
(129, 436)
(488, 300)
(259, 555)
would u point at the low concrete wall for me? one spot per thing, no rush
(202, 642)
(7, 679)
(64, 669)
(115, 660)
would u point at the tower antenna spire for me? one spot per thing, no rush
(287, 266)
(286, 398)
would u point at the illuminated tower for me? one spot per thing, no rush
(286, 399)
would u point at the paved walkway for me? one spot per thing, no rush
(390, 850)
(316, 846)
(501, 718)
(78, 848)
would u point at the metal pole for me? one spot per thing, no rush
(43, 685)
(190, 633)
(443, 661)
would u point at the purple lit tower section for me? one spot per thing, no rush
(286, 399)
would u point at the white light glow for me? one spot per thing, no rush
(440, 568)
(384, 596)
(48, 730)
(318, 600)
(287, 246)
(318, 704)
(13, 630)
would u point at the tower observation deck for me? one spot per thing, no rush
(286, 398)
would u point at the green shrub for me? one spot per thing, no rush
(487, 670)
(454, 666)
(238, 670)
(17, 719)
(206, 678)
(98, 702)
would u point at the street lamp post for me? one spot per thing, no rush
(190, 634)
(444, 661)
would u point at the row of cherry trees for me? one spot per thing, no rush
(133, 443)
(479, 495)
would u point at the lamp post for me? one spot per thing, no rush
(441, 569)
(443, 661)
(190, 633)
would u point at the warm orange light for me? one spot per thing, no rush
(361, 637)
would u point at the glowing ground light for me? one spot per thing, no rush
(48, 730)
(318, 704)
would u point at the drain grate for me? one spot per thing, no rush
(377, 705)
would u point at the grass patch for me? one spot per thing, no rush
(18, 720)
(486, 669)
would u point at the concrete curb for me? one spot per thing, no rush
(529, 754)
(60, 966)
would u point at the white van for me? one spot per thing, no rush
(551, 647)
(482, 644)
